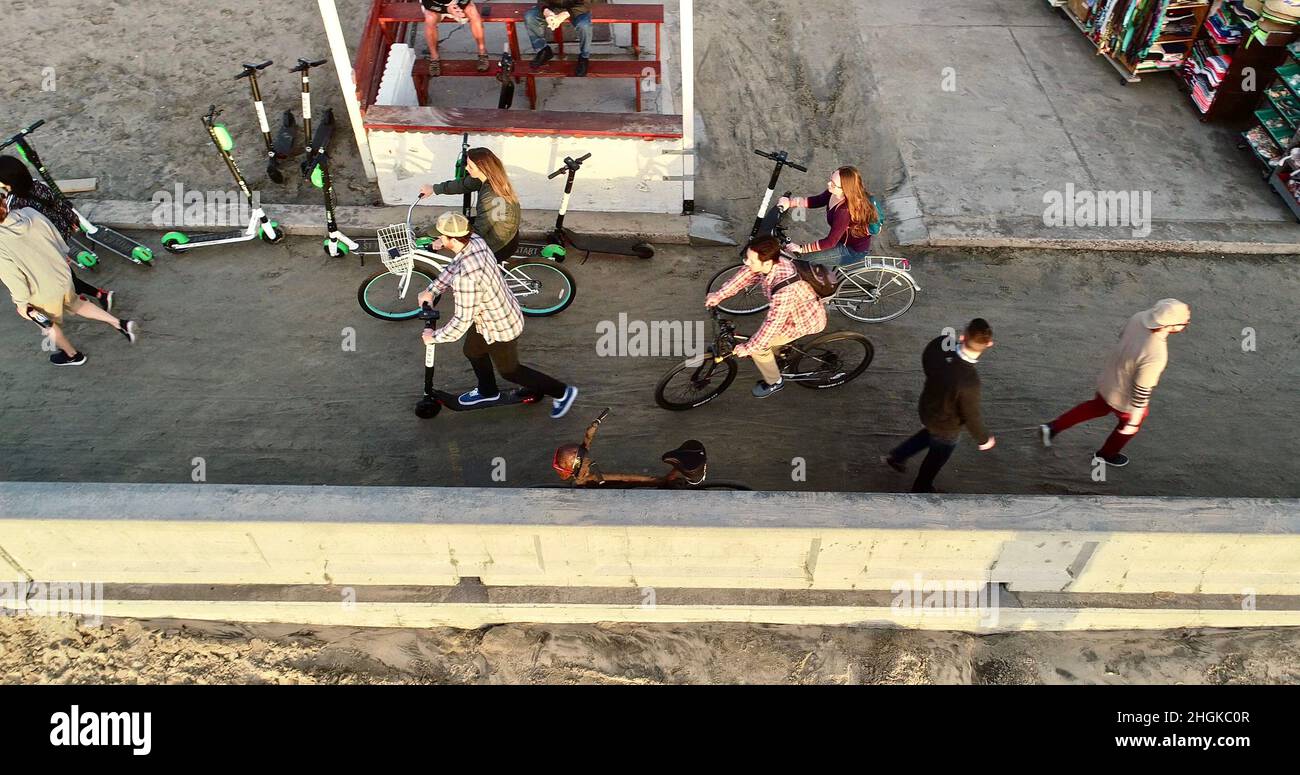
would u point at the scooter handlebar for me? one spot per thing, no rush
(305, 64)
(22, 134)
(780, 158)
(251, 69)
(570, 163)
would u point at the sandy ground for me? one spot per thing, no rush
(49, 650)
(126, 106)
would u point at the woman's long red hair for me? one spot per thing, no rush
(858, 199)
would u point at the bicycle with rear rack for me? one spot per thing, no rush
(818, 362)
(575, 465)
(541, 287)
(875, 289)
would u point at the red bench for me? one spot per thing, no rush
(391, 20)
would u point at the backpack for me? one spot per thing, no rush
(821, 278)
(875, 227)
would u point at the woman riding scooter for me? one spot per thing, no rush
(852, 214)
(496, 210)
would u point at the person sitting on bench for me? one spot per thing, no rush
(458, 11)
(548, 16)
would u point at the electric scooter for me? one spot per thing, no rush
(434, 400)
(95, 235)
(304, 67)
(507, 79)
(767, 219)
(565, 237)
(259, 225)
(317, 169)
(272, 166)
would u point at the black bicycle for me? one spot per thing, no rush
(819, 362)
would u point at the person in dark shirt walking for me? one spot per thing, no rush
(950, 400)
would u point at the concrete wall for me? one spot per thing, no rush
(622, 175)
(346, 536)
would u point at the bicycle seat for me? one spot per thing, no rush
(690, 459)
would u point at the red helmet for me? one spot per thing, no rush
(568, 460)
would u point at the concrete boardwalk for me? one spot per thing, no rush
(242, 363)
(1031, 110)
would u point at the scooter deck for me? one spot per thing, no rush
(118, 243)
(200, 239)
(508, 398)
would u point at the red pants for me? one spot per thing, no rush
(1091, 410)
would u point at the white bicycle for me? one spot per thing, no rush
(874, 290)
(541, 287)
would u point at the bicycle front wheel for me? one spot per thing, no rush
(874, 294)
(694, 382)
(540, 287)
(379, 294)
(747, 302)
(831, 360)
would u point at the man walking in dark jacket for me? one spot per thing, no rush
(950, 399)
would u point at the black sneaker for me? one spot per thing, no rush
(129, 329)
(542, 57)
(106, 300)
(1114, 461)
(894, 464)
(583, 64)
(61, 358)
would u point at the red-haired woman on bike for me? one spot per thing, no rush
(851, 212)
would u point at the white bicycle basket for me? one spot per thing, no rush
(397, 249)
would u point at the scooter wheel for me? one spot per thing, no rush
(173, 240)
(338, 251)
(279, 234)
(87, 260)
(141, 254)
(427, 408)
(644, 250)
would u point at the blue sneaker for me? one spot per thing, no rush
(763, 390)
(472, 398)
(562, 405)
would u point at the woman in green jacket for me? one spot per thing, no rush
(496, 211)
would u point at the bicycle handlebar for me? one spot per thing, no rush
(780, 157)
(22, 134)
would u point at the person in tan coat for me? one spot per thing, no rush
(1128, 378)
(33, 268)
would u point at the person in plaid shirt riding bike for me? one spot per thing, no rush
(796, 310)
(488, 316)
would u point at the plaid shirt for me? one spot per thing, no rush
(482, 298)
(796, 309)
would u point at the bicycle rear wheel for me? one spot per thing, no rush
(830, 360)
(747, 302)
(694, 382)
(874, 294)
(378, 294)
(541, 288)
